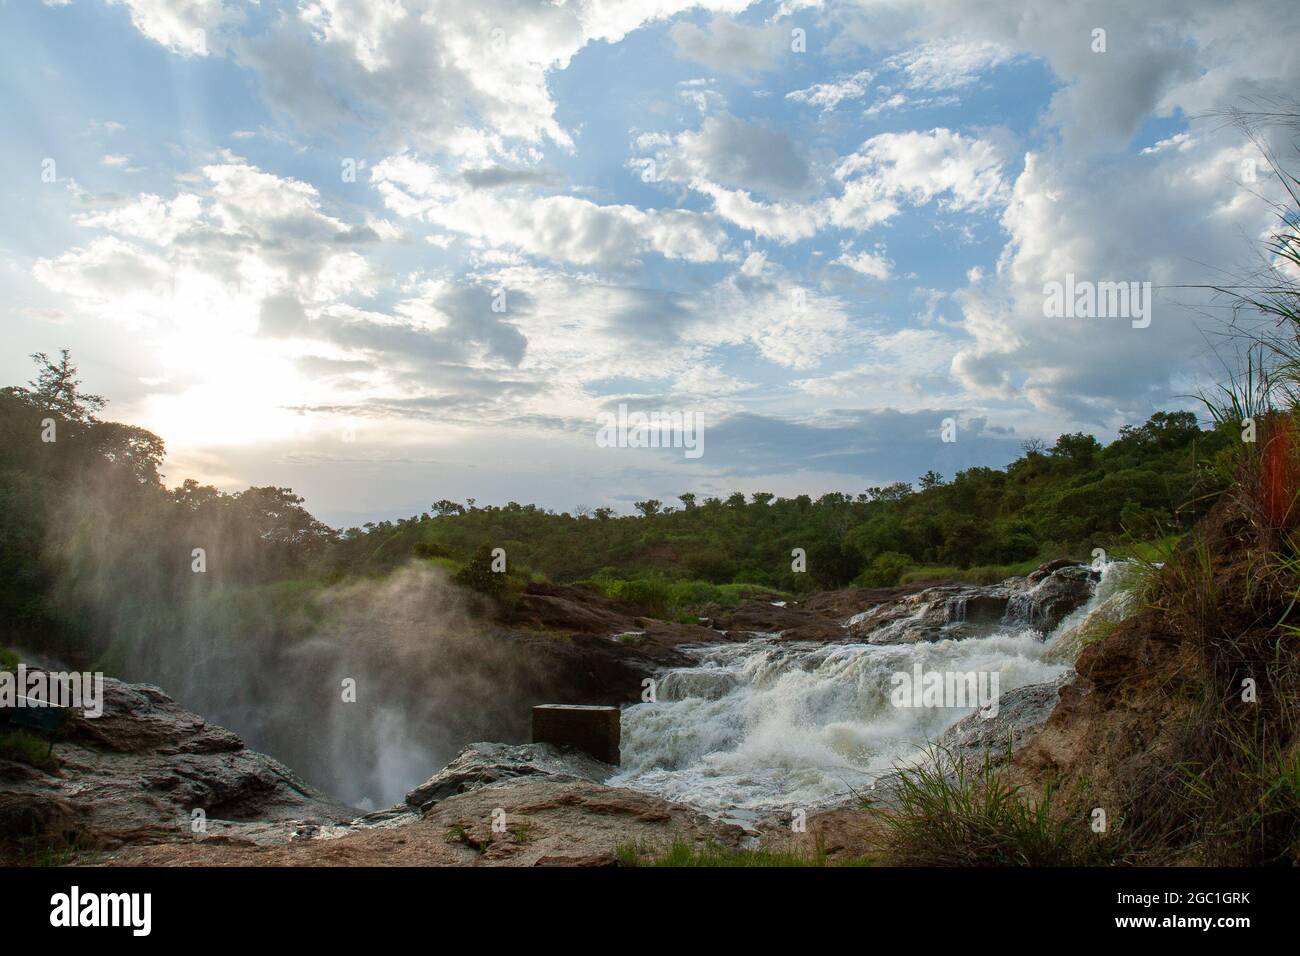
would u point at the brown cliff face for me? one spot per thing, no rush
(1181, 724)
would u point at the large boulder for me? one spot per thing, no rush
(1040, 600)
(139, 771)
(1022, 713)
(481, 764)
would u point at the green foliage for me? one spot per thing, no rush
(8, 660)
(976, 574)
(479, 574)
(884, 571)
(659, 596)
(950, 814)
(1061, 501)
(22, 746)
(95, 552)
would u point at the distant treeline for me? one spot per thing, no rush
(1052, 501)
(92, 543)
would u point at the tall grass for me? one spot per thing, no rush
(952, 813)
(1227, 786)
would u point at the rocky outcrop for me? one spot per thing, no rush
(1040, 600)
(819, 616)
(1022, 713)
(480, 764)
(569, 611)
(137, 773)
(532, 820)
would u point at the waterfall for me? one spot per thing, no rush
(766, 725)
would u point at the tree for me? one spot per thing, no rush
(687, 500)
(1077, 449)
(885, 570)
(649, 507)
(57, 389)
(477, 575)
(931, 479)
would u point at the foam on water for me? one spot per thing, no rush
(765, 725)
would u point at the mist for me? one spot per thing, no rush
(365, 687)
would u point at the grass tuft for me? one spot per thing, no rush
(950, 814)
(21, 746)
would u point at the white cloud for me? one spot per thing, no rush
(961, 173)
(945, 65)
(560, 228)
(827, 96)
(875, 265)
(907, 369)
(188, 27)
(730, 47)
(732, 152)
(148, 217)
(469, 80)
(1160, 219)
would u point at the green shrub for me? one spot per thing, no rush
(884, 571)
(478, 575)
(8, 660)
(951, 815)
(21, 746)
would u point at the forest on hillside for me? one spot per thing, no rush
(95, 549)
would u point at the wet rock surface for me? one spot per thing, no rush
(546, 820)
(137, 773)
(130, 780)
(944, 612)
(481, 764)
(1022, 714)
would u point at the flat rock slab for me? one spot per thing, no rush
(481, 764)
(539, 821)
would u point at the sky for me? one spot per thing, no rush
(395, 251)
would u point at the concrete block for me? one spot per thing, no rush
(591, 728)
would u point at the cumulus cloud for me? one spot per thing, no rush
(875, 265)
(561, 228)
(947, 64)
(736, 153)
(958, 172)
(1161, 220)
(470, 80)
(727, 46)
(187, 27)
(752, 255)
(827, 96)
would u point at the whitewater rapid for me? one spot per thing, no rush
(766, 725)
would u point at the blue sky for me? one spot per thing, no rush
(824, 227)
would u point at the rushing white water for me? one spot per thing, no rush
(765, 725)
